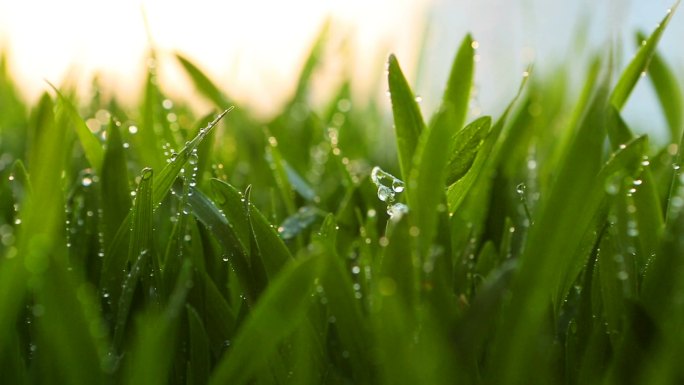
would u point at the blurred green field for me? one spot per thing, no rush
(156, 246)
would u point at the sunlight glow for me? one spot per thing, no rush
(254, 49)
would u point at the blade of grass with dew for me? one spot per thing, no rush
(233, 204)
(41, 217)
(66, 329)
(457, 191)
(273, 253)
(561, 222)
(21, 182)
(205, 150)
(408, 121)
(177, 247)
(116, 198)
(156, 332)
(225, 232)
(277, 164)
(272, 250)
(646, 200)
(219, 318)
(280, 309)
(638, 65)
(89, 142)
(139, 250)
(669, 94)
(622, 163)
(343, 303)
(115, 258)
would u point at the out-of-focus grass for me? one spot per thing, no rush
(540, 246)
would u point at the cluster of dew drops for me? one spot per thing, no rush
(389, 187)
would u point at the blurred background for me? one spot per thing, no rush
(255, 49)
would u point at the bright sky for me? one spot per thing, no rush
(254, 48)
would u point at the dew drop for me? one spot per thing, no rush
(385, 193)
(146, 173)
(397, 186)
(520, 188)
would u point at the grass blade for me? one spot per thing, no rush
(669, 94)
(408, 121)
(639, 63)
(457, 94)
(280, 310)
(425, 191)
(115, 258)
(90, 143)
(202, 82)
(116, 198)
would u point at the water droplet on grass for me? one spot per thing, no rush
(397, 186)
(520, 188)
(397, 210)
(385, 193)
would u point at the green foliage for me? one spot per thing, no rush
(516, 249)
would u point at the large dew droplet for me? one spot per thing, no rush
(385, 193)
(397, 185)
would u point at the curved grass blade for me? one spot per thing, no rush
(408, 121)
(91, 145)
(164, 179)
(202, 82)
(272, 252)
(639, 63)
(669, 94)
(281, 308)
(223, 229)
(465, 146)
(457, 191)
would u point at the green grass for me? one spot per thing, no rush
(541, 246)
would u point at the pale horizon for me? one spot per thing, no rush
(254, 50)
